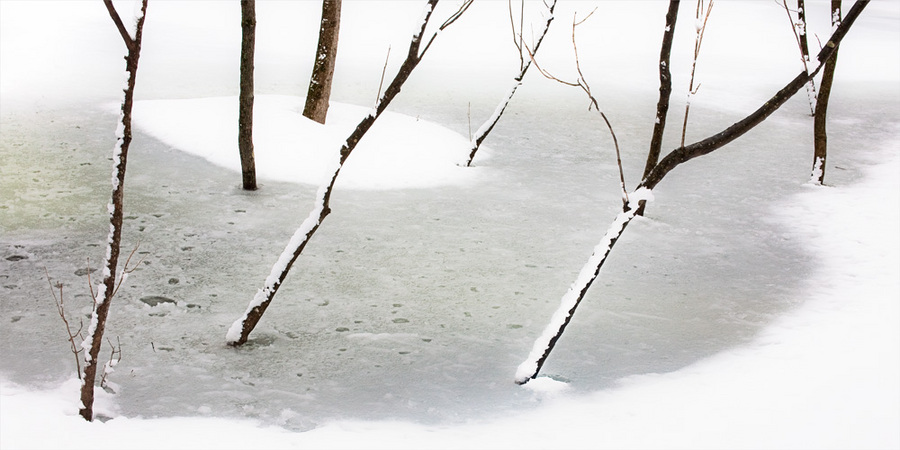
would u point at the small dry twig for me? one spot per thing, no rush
(128, 270)
(60, 308)
(383, 70)
(115, 356)
(701, 12)
(582, 83)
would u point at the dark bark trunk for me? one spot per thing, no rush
(242, 328)
(665, 92)
(665, 87)
(107, 290)
(820, 135)
(319, 91)
(245, 103)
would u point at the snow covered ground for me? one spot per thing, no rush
(747, 310)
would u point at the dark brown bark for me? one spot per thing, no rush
(820, 134)
(105, 295)
(801, 17)
(245, 102)
(665, 92)
(323, 68)
(665, 87)
(414, 56)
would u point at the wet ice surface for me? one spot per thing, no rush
(415, 304)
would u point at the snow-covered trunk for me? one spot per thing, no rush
(316, 107)
(485, 129)
(103, 297)
(240, 329)
(589, 272)
(820, 134)
(804, 53)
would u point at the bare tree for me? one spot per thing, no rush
(241, 328)
(107, 288)
(323, 68)
(485, 129)
(820, 135)
(245, 103)
(542, 347)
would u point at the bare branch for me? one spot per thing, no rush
(517, 38)
(698, 41)
(126, 270)
(462, 9)
(665, 88)
(115, 356)
(61, 310)
(129, 42)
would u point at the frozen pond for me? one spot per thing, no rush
(414, 304)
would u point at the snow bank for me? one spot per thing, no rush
(398, 151)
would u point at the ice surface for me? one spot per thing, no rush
(413, 306)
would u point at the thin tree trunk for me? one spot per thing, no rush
(665, 87)
(240, 330)
(530, 368)
(820, 135)
(319, 91)
(485, 129)
(665, 92)
(804, 52)
(107, 289)
(245, 107)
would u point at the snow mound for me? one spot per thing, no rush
(398, 152)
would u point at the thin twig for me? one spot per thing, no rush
(581, 82)
(459, 12)
(383, 70)
(698, 41)
(127, 270)
(60, 308)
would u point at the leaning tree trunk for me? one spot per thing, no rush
(240, 330)
(820, 135)
(107, 289)
(319, 91)
(245, 103)
(542, 347)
